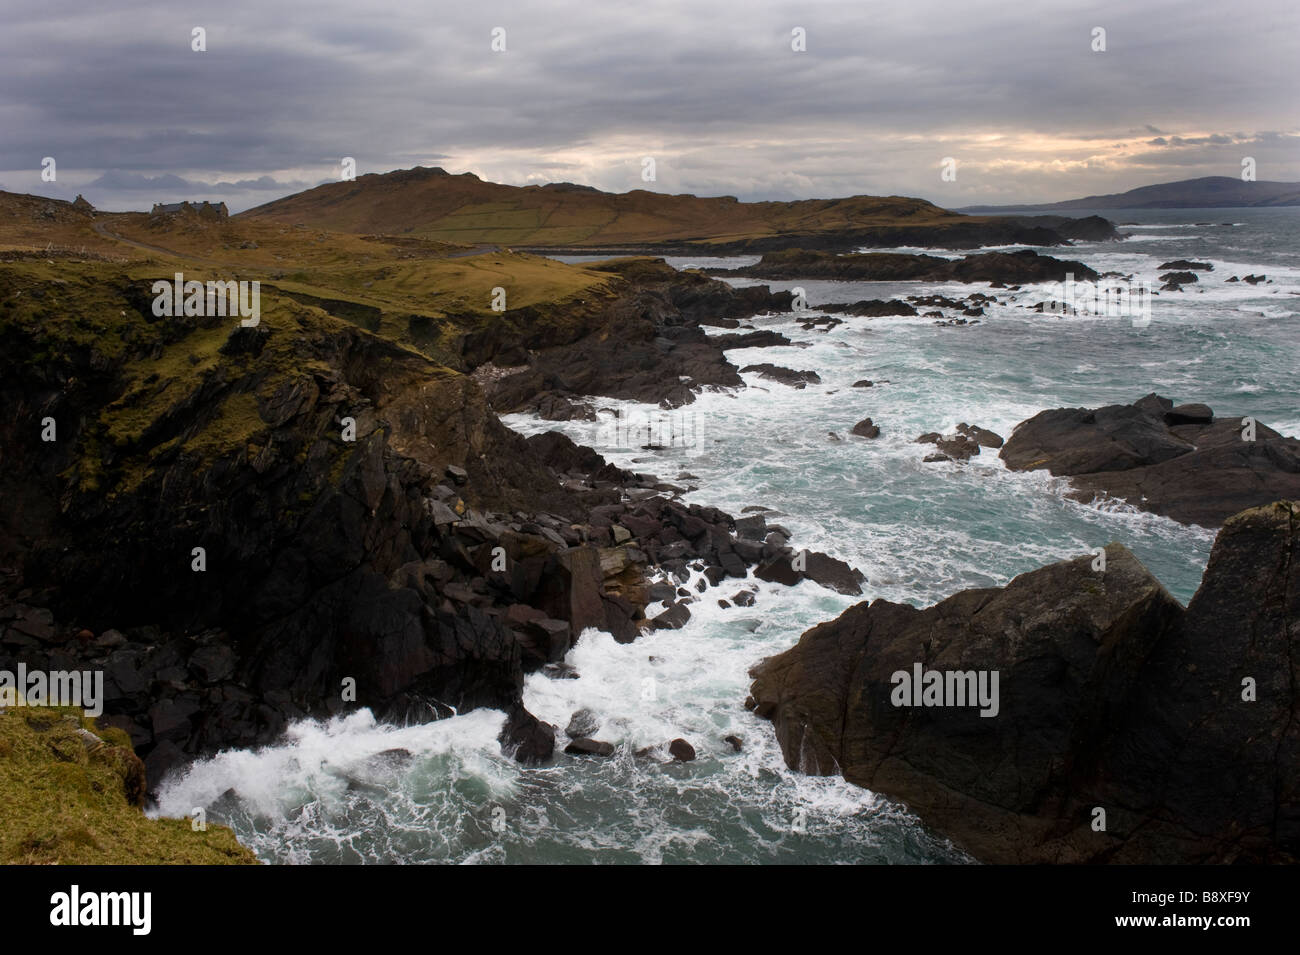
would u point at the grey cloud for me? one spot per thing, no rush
(128, 181)
(714, 91)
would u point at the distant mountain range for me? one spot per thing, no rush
(1208, 192)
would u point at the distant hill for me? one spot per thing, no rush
(1205, 193)
(432, 204)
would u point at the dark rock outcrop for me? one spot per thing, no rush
(1181, 462)
(786, 376)
(961, 446)
(589, 747)
(866, 428)
(1189, 414)
(326, 519)
(957, 232)
(646, 344)
(1017, 268)
(526, 738)
(871, 308)
(790, 568)
(1174, 281)
(582, 723)
(981, 436)
(766, 338)
(1122, 728)
(969, 232)
(681, 750)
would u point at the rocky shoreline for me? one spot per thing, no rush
(1180, 461)
(329, 519)
(1020, 267)
(1127, 728)
(974, 233)
(420, 566)
(652, 347)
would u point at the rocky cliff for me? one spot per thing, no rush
(1124, 728)
(246, 525)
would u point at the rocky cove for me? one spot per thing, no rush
(432, 562)
(441, 559)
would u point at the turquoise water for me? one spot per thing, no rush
(919, 531)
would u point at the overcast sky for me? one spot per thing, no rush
(585, 89)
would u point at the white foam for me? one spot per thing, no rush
(919, 531)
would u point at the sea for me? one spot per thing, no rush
(354, 790)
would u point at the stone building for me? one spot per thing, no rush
(205, 209)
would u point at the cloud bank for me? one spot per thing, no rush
(716, 93)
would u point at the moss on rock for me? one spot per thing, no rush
(70, 793)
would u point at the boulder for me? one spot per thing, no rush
(622, 619)
(780, 569)
(589, 747)
(526, 738)
(828, 571)
(1189, 414)
(171, 718)
(834, 574)
(952, 447)
(553, 407)
(674, 618)
(213, 663)
(573, 588)
(787, 376)
(583, 723)
(981, 436)
(866, 429)
(681, 750)
(958, 447)
(544, 641)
